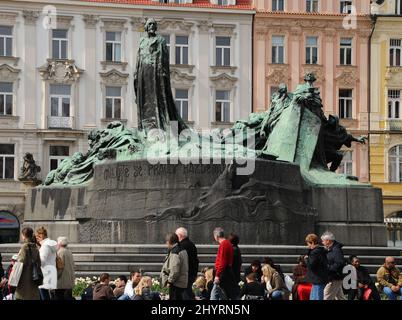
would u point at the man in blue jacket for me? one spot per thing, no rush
(336, 263)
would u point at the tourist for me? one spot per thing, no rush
(253, 289)
(255, 267)
(120, 283)
(225, 286)
(174, 272)
(209, 274)
(135, 278)
(66, 273)
(88, 293)
(8, 290)
(277, 267)
(366, 288)
(27, 289)
(317, 267)
(103, 291)
(301, 288)
(193, 261)
(275, 285)
(201, 286)
(336, 262)
(237, 259)
(47, 251)
(390, 279)
(143, 290)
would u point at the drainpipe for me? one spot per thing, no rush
(373, 21)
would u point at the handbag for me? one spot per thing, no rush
(37, 275)
(15, 274)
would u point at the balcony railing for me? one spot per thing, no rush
(394, 124)
(60, 122)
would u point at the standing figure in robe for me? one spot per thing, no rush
(154, 99)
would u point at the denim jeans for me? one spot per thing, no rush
(317, 292)
(217, 293)
(44, 294)
(277, 295)
(124, 297)
(392, 295)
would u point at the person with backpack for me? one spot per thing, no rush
(30, 280)
(317, 267)
(336, 262)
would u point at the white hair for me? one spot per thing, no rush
(182, 232)
(327, 235)
(219, 232)
(62, 241)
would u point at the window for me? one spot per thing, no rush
(223, 2)
(167, 40)
(113, 46)
(181, 50)
(222, 106)
(346, 166)
(394, 98)
(59, 44)
(278, 49)
(346, 7)
(182, 103)
(395, 53)
(395, 164)
(398, 7)
(59, 100)
(278, 5)
(7, 161)
(345, 103)
(6, 98)
(311, 5)
(113, 102)
(223, 51)
(346, 51)
(6, 41)
(311, 50)
(56, 155)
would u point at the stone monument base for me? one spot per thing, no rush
(137, 202)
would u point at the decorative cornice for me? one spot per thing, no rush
(121, 64)
(113, 24)
(181, 78)
(224, 81)
(90, 20)
(9, 60)
(204, 26)
(8, 17)
(223, 69)
(175, 24)
(63, 22)
(8, 73)
(113, 77)
(224, 29)
(30, 16)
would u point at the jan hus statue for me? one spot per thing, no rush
(154, 99)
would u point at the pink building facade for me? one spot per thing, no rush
(293, 37)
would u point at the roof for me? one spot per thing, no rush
(240, 4)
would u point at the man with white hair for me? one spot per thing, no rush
(336, 263)
(65, 271)
(193, 261)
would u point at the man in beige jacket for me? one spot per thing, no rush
(66, 275)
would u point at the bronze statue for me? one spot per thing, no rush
(154, 99)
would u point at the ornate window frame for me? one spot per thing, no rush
(223, 30)
(10, 19)
(223, 82)
(114, 25)
(65, 23)
(184, 81)
(114, 78)
(10, 74)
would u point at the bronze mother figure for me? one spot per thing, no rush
(154, 99)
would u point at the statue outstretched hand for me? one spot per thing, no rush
(362, 140)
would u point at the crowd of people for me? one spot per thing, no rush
(48, 273)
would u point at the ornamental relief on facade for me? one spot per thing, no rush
(8, 18)
(278, 73)
(8, 73)
(113, 24)
(346, 76)
(114, 77)
(60, 71)
(224, 81)
(224, 29)
(175, 24)
(393, 76)
(318, 71)
(182, 79)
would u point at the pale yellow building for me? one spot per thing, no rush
(386, 112)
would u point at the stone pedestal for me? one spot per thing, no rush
(136, 202)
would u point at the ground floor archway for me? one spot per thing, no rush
(9, 227)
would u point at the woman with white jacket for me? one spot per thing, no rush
(47, 252)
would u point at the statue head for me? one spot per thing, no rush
(77, 157)
(333, 121)
(151, 26)
(28, 157)
(93, 137)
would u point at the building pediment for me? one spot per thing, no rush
(60, 71)
(180, 78)
(114, 77)
(224, 81)
(8, 73)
